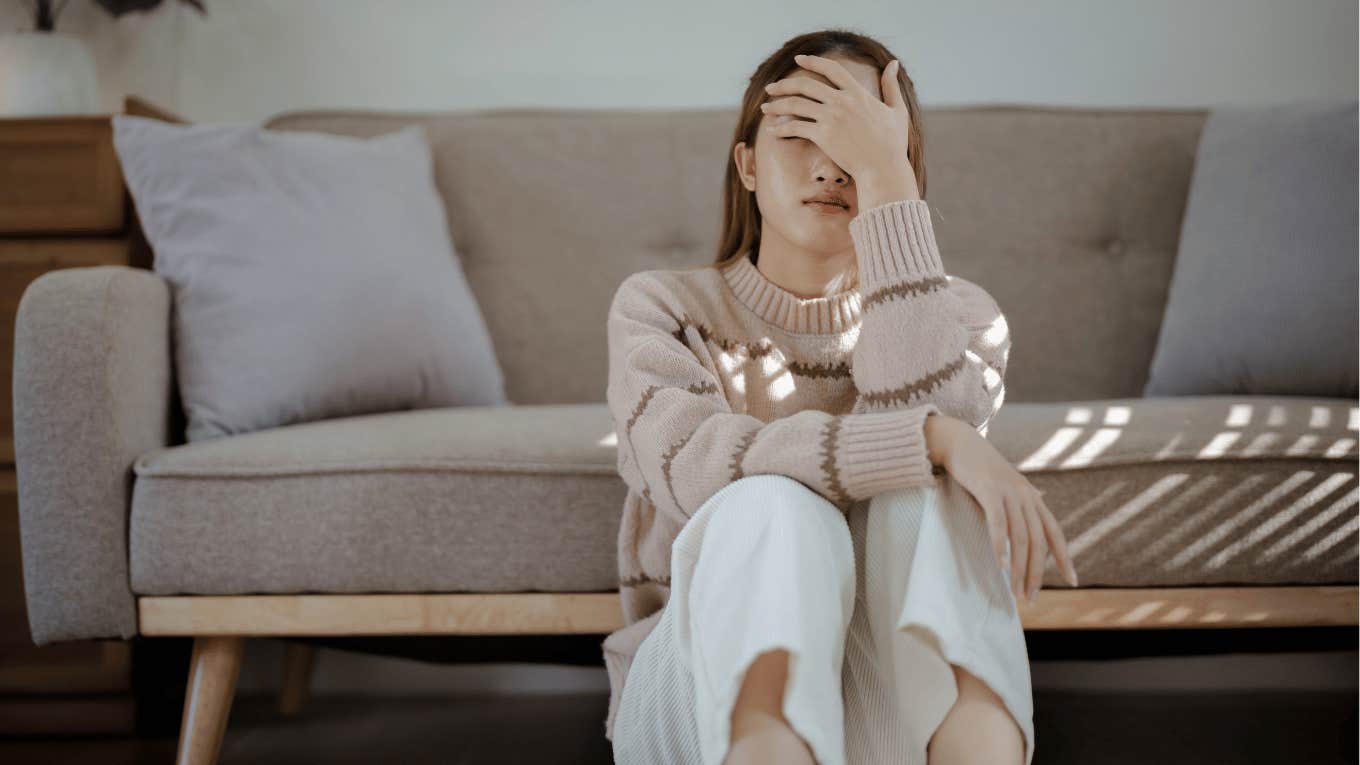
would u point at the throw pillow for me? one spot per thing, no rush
(313, 275)
(1263, 295)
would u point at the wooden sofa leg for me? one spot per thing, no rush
(297, 677)
(213, 669)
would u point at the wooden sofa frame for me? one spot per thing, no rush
(220, 624)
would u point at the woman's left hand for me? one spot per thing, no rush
(860, 133)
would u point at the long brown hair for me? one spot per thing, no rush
(741, 216)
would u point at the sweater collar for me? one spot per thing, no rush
(823, 315)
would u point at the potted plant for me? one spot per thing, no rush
(43, 71)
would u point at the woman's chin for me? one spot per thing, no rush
(826, 240)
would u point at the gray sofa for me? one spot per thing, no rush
(504, 521)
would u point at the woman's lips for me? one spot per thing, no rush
(826, 208)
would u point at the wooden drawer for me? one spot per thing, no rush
(22, 261)
(61, 176)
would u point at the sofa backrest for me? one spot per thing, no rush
(1070, 217)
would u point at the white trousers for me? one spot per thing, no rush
(872, 607)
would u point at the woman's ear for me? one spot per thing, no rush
(745, 160)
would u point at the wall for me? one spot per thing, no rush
(250, 59)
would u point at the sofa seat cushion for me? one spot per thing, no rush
(1194, 490)
(476, 498)
(1202, 490)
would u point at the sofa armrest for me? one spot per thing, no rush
(93, 389)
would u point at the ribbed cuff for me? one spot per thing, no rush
(895, 242)
(882, 451)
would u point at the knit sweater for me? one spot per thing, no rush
(716, 373)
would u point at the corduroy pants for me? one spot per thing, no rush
(872, 606)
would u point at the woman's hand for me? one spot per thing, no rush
(1011, 505)
(860, 133)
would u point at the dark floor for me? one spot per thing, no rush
(1167, 729)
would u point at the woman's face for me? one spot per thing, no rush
(784, 171)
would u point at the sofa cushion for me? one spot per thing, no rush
(1263, 299)
(313, 274)
(1195, 490)
(482, 499)
(1150, 492)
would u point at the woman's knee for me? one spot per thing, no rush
(778, 498)
(773, 500)
(904, 508)
(909, 495)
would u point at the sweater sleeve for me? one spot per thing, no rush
(679, 441)
(924, 336)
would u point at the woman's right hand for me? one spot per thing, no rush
(1011, 504)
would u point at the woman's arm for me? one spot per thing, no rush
(679, 441)
(924, 337)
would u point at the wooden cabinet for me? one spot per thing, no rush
(62, 204)
(60, 176)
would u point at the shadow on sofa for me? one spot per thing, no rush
(1219, 511)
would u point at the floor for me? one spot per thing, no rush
(1111, 729)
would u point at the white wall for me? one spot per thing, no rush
(250, 59)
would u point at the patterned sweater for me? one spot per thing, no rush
(716, 373)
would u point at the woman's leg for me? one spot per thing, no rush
(763, 579)
(760, 732)
(945, 627)
(978, 728)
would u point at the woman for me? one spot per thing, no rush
(801, 426)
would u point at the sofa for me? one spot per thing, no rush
(504, 520)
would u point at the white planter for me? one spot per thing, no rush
(44, 73)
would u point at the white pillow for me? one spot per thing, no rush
(313, 274)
